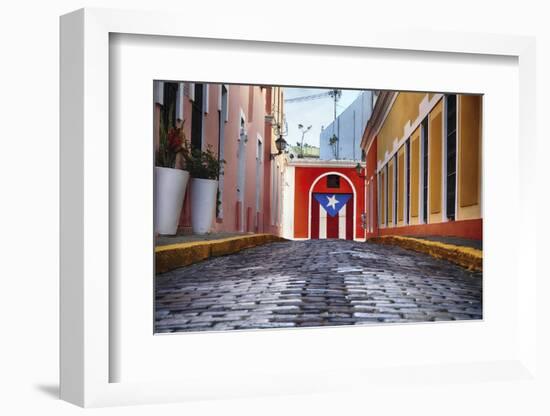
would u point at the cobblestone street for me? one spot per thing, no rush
(315, 283)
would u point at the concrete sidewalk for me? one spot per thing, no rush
(165, 240)
(186, 251)
(459, 251)
(455, 241)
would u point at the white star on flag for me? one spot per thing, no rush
(332, 201)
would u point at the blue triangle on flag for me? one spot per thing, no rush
(332, 203)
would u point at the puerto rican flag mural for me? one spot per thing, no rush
(332, 216)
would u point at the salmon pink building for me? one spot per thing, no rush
(237, 122)
(323, 200)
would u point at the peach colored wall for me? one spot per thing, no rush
(251, 100)
(274, 108)
(255, 126)
(239, 97)
(268, 131)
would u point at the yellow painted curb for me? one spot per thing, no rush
(471, 258)
(172, 256)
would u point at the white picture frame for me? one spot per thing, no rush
(86, 262)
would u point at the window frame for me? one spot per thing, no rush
(406, 215)
(395, 190)
(446, 205)
(195, 108)
(335, 178)
(425, 166)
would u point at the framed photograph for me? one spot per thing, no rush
(279, 215)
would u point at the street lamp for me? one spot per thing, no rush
(280, 143)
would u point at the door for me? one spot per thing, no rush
(331, 216)
(222, 119)
(259, 178)
(241, 164)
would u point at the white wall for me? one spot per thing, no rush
(348, 127)
(287, 216)
(29, 209)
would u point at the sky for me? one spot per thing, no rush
(317, 113)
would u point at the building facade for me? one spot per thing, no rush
(237, 123)
(371, 190)
(348, 130)
(274, 169)
(323, 200)
(426, 178)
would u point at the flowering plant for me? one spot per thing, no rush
(172, 141)
(202, 164)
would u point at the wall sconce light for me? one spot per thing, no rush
(281, 144)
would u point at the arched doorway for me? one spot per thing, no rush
(332, 199)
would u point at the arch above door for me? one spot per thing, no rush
(311, 189)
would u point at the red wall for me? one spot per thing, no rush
(304, 178)
(471, 229)
(372, 190)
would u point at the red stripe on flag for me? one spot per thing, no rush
(349, 219)
(314, 218)
(332, 226)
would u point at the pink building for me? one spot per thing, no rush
(237, 121)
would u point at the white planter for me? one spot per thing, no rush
(170, 185)
(203, 204)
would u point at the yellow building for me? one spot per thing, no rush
(429, 163)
